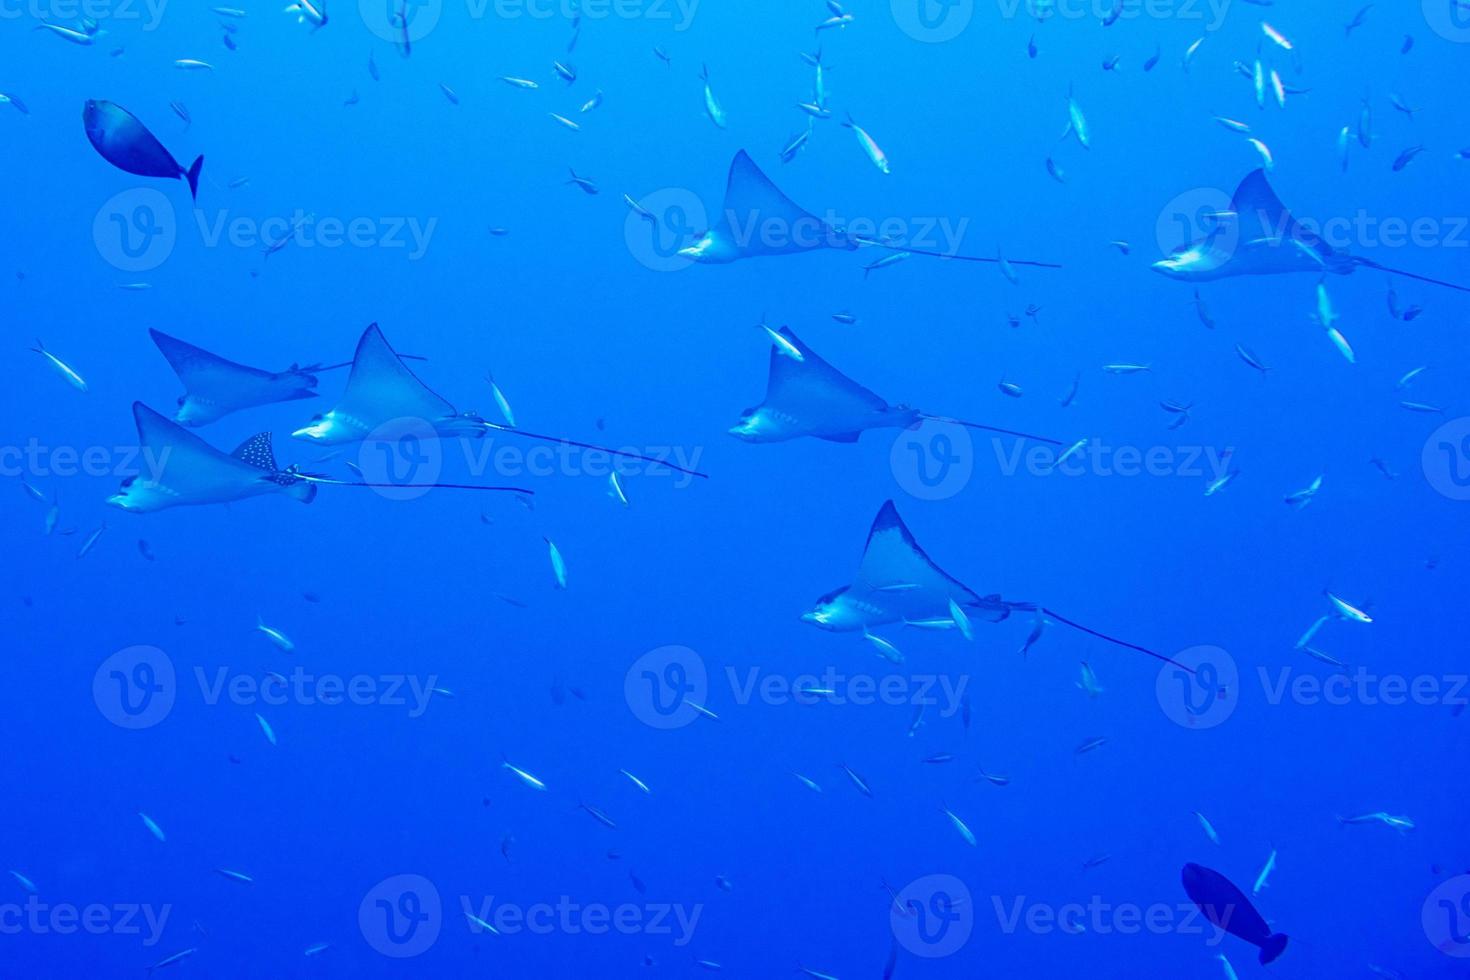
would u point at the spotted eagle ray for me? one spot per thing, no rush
(1258, 236)
(188, 470)
(215, 386)
(383, 393)
(809, 397)
(757, 219)
(898, 583)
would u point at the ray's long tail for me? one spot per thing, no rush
(1112, 639)
(318, 368)
(991, 428)
(329, 481)
(1369, 263)
(947, 255)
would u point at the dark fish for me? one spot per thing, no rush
(1153, 60)
(1228, 908)
(1406, 157)
(1408, 44)
(1357, 20)
(127, 144)
(145, 549)
(892, 963)
(1071, 394)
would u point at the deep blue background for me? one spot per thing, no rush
(576, 329)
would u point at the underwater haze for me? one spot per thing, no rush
(849, 490)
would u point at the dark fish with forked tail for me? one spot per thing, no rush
(127, 144)
(1227, 907)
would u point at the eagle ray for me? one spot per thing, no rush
(757, 219)
(1258, 236)
(186, 471)
(809, 397)
(381, 390)
(897, 582)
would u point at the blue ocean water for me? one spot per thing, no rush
(378, 811)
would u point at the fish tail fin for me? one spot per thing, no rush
(1273, 947)
(192, 176)
(1112, 639)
